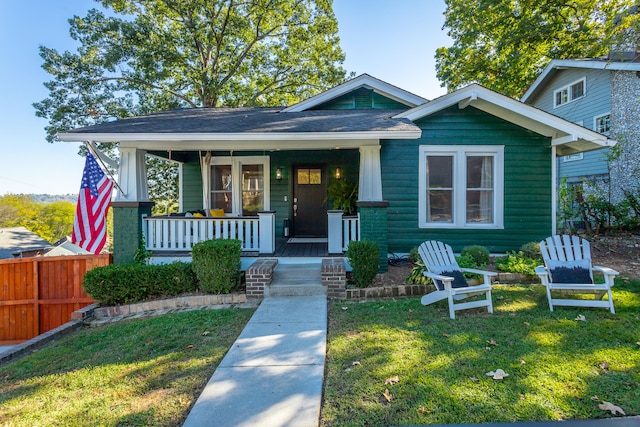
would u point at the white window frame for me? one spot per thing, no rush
(459, 154)
(236, 178)
(601, 116)
(573, 157)
(569, 97)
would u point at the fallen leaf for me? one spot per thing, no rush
(444, 334)
(595, 398)
(345, 308)
(500, 297)
(498, 374)
(387, 395)
(637, 342)
(527, 323)
(424, 410)
(392, 380)
(474, 379)
(356, 363)
(410, 311)
(604, 365)
(205, 333)
(190, 346)
(492, 342)
(347, 369)
(521, 396)
(607, 406)
(487, 348)
(522, 362)
(580, 318)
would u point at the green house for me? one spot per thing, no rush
(470, 167)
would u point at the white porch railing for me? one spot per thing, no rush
(342, 230)
(168, 233)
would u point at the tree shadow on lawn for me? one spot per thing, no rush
(553, 361)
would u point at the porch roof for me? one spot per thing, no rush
(250, 124)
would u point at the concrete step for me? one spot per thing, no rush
(296, 280)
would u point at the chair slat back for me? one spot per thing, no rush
(565, 248)
(437, 254)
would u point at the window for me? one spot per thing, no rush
(246, 199)
(569, 93)
(461, 186)
(572, 157)
(602, 123)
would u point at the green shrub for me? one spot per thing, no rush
(363, 258)
(517, 262)
(414, 256)
(123, 284)
(479, 254)
(216, 263)
(417, 277)
(532, 250)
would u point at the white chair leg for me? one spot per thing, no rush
(452, 311)
(432, 297)
(611, 309)
(490, 300)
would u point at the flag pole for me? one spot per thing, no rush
(93, 150)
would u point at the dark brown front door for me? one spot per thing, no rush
(309, 206)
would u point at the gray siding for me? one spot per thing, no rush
(527, 186)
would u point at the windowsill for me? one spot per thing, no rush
(462, 227)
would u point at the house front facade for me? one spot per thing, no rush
(602, 95)
(470, 167)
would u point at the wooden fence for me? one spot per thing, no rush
(39, 294)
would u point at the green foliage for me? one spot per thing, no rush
(142, 255)
(363, 258)
(567, 211)
(343, 195)
(517, 262)
(216, 263)
(417, 277)
(479, 255)
(52, 221)
(414, 256)
(121, 284)
(163, 185)
(512, 43)
(532, 250)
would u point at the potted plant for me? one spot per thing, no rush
(343, 195)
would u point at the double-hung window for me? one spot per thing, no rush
(238, 185)
(569, 93)
(602, 123)
(461, 186)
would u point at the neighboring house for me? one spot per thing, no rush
(16, 240)
(470, 167)
(603, 95)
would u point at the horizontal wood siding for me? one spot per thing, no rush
(527, 187)
(359, 99)
(191, 186)
(592, 163)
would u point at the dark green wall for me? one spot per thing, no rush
(361, 99)
(527, 186)
(191, 186)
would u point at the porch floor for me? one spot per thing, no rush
(284, 249)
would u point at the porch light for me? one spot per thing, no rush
(279, 174)
(338, 173)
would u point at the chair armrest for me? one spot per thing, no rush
(541, 270)
(605, 270)
(443, 279)
(483, 272)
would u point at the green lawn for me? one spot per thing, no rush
(557, 366)
(140, 372)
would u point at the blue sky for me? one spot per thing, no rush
(393, 40)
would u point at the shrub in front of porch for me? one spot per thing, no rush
(363, 258)
(216, 264)
(122, 284)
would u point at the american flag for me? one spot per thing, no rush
(90, 223)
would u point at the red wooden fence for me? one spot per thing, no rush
(39, 294)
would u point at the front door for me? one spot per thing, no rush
(309, 205)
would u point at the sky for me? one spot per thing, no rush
(392, 40)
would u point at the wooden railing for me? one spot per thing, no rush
(342, 230)
(174, 233)
(40, 293)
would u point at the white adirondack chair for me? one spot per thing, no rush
(450, 284)
(567, 267)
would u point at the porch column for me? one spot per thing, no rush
(267, 231)
(370, 182)
(129, 205)
(371, 207)
(334, 228)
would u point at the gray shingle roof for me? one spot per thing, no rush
(15, 239)
(254, 120)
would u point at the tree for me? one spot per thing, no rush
(51, 221)
(163, 54)
(505, 44)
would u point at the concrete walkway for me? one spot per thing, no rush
(273, 373)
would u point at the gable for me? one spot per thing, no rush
(360, 99)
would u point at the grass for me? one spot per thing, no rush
(557, 365)
(141, 372)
